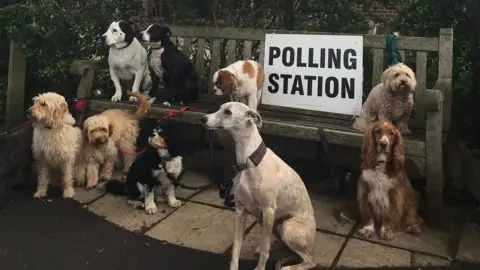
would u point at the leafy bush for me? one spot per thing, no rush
(54, 33)
(425, 18)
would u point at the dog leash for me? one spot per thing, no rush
(326, 154)
(79, 106)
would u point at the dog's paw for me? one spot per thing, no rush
(413, 229)
(386, 234)
(92, 184)
(366, 231)
(166, 103)
(136, 204)
(68, 193)
(116, 97)
(174, 203)
(133, 99)
(40, 194)
(151, 209)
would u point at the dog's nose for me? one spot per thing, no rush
(204, 120)
(383, 144)
(403, 81)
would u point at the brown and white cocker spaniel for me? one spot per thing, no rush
(384, 192)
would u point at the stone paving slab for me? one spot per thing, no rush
(198, 226)
(191, 179)
(326, 248)
(209, 196)
(420, 260)
(116, 210)
(358, 253)
(324, 208)
(428, 241)
(469, 249)
(84, 195)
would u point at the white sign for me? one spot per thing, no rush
(314, 72)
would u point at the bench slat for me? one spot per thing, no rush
(186, 46)
(200, 56)
(262, 52)
(421, 76)
(231, 51)
(247, 49)
(377, 66)
(214, 62)
(402, 55)
(271, 125)
(369, 41)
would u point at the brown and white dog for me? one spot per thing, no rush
(384, 192)
(241, 81)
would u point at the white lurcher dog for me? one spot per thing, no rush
(127, 59)
(267, 188)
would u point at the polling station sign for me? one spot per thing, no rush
(314, 72)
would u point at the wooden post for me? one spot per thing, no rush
(15, 111)
(445, 67)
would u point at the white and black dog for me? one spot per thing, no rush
(158, 168)
(127, 59)
(179, 74)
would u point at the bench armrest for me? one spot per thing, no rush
(433, 99)
(78, 67)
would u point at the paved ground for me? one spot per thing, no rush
(60, 234)
(203, 223)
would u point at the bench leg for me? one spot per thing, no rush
(228, 159)
(434, 168)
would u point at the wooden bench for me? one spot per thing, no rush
(430, 123)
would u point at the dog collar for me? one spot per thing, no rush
(256, 158)
(128, 44)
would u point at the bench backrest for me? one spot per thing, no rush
(203, 43)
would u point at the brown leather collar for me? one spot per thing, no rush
(256, 157)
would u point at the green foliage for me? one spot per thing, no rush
(425, 18)
(54, 33)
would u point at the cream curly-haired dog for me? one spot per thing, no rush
(391, 100)
(104, 134)
(56, 142)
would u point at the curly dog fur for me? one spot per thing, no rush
(102, 134)
(391, 100)
(56, 142)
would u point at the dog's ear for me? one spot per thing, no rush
(384, 77)
(255, 116)
(110, 129)
(398, 159)
(369, 148)
(127, 29)
(59, 114)
(167, 30)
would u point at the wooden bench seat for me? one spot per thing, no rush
(212, 48)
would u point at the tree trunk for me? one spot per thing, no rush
(288, 15)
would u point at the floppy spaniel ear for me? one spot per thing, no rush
(369, 149)
(255, 116)
(398, 159)
(85, 132)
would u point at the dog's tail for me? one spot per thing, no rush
(116, 187)
(360, 124)
(143, 104)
